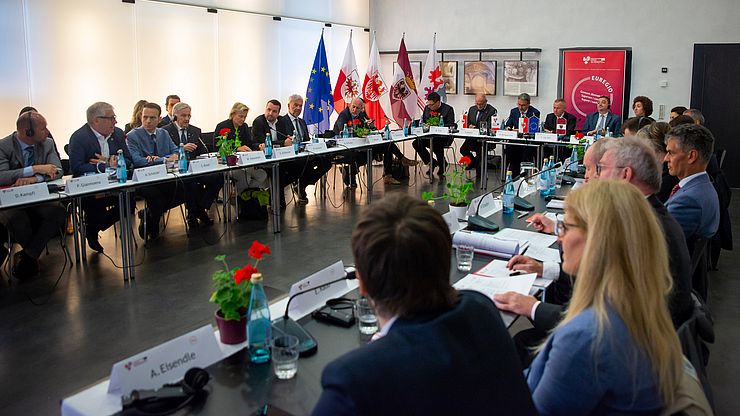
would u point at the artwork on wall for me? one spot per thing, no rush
(449, 74)
(521, 77)
(480, 77)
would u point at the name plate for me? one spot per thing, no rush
(546, 137)
(246, 158)
(306, 303)
(417, 131)
(439, 130)
(283, 152)
(352, 142)
(452, 223)
(319, 147)
(488, 206)
(25, 193)
(506, 134)
(374, 138)
(397, 134)
(86, 183)
(470, 132)
(203, 165)
(150, 173)
(165, 363)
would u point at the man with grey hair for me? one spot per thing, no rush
(696, 115)
(516, 154)
(481, 112)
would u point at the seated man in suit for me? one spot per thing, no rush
(269, 122)
(693, 202)
(515, 155)
(202, 190)
(602, 119)
(480, 112)
(435, 108)
(558, 111)
(26, 157)
(150, 145)
(439, 351)
(92, 147)
(169, 104)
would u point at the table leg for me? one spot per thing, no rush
(275, 198)
(75, 211)
(431, 159)
(130, 240)
(369, 175)
(124, 234)
(484, 165)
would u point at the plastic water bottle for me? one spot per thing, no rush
(441, 121)
(542, 183)
(573, 166)
(182, 160)
(387, 130)
(508, 196)
(259, 329)
(345, 132)
(552, 176)
(608, 133)
(268, 146)
(406, 128)
(296, 145)
(121, 171)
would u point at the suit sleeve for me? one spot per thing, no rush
(686, 211)
(336, 398)
(617, 129)
(51, 157)
(589, 124)
(77, 160)
(339, 124)
(550, 122)
(8, 176)
(511, 121)
(137, 153)
(570, 128)
(547, 316)
(258, 132)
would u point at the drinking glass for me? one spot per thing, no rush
(368, 322)
(285, 356)
(464, 258)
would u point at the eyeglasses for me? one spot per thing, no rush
(561, 227)
(600, 168)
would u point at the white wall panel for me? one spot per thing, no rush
(14, 83)
(298, 43)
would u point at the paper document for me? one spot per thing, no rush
(486, 243)
(496, 268)
(531, 237)
(543, 253)
(556, 204)
(490, 286)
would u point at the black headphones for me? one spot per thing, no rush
(168, 399)
(29, 130)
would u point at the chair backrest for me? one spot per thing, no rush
(694, 335)
(208, 140)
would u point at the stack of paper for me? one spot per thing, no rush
(490, 286)
(486, 243)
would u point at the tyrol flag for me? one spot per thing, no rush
(375, 90)
(403, 89)
(348, 82)
(319, 101)
(431, 77)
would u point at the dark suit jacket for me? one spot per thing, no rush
(485, 115)
(460, 361)
(345, 117)
(288, 125)
(83, 145)
(445, 111)
(193, 136)
(612, 122)
(260, 128)
(164, 121)
(245, 133)
(696, 207)
(514, 114)
(570, 120)
(12, 162)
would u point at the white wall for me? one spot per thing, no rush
(60, 56)
(660, 32)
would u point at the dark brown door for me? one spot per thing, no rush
(715, 90)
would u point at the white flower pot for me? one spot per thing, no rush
(459, 212)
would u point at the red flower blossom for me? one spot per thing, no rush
(579, 135)
(357, 122)
(465, 160)
(349, 123)
(258, 250)
(433, 113)
(224, 131)
(244, 273)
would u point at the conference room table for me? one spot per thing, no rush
(239, 387)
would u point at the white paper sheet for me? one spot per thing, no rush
(523, 236)
(543, 253)
(490, 286)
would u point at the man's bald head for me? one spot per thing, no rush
(481, 101)
(356, 106)
(31, 122)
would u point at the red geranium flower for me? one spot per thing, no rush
(224, 131)
(258, 250)
(465, 160)
(433, 113)
(244, 273)
(357, 122)
(349, 123)
(579, 135)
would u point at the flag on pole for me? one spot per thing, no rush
(403, 90)
(375, 90)
(319, 101)
(348, 82)
(431, 77)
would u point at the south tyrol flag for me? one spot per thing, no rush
(347, 87)
(319, 100)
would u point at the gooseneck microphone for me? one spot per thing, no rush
(522, 204)
(285, 325)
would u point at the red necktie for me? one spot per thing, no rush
(674, 190)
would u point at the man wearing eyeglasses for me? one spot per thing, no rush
(92, 148)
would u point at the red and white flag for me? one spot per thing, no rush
(431, 77)
(375, 90)
(403, 89)
(347, 86)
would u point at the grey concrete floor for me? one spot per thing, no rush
(91, 319)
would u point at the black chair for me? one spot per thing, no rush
(209, 140)
(699, 273)
(694, 335)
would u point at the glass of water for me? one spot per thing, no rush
(483, 128)
(368, 321)
(464, 258)
(285, 356)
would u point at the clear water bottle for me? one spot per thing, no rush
(182, 160)
(508, 196)
(345, 131)
(552, 176)
(573, 166)
(406, 128)
(608, 133)
(387, 130)
(296, 144)
(542, 183)
(121, 171)
(268, 146)
(441, 121)
(258, 323)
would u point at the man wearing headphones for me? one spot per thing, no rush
(27, 157)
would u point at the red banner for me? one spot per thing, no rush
(589, 74)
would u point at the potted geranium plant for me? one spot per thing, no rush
(232, 289)
(226, 146)
(458, 187)
(360, 131)
(433, 120)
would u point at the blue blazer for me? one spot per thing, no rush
(696, 207)
(141, 146)
(574, 376)
(613, 123)
(83, 145)
(513, 120)
(461, 361)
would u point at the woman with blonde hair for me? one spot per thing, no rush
(135, 117)
(616, 351)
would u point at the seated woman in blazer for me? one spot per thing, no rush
(616, 351)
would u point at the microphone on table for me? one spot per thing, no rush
(522, 204)
(285, 325)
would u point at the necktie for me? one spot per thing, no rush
(183, 137)
(298, 134)
(674, 190)
(477, 116)
(154, 142)
(30, 160)
(600, 126)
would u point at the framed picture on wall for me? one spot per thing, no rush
(480, 77)
(449, 74)
(521, 77)
(415, 70)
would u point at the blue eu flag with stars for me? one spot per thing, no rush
(319, 99)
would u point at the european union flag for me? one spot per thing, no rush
(319, 99)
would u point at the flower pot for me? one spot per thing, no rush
(231, 160)
(230, 331)
(458, 212)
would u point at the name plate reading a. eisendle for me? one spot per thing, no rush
(374, 138)
(203, 165)
(470, 132)
(86, 183)
(316, 147)
(397, 134)
(506, 134)
(439, 130)
(282, 152)
(546, 137)
(250, 158)
(25, 193)
(150, 173)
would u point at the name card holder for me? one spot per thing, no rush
(439, 130)
(417, 131)
(304, 304)
(397, 134)
(506, 134)
(87, 183)
(470, 132)
(319, 147)
(546, 137)
(283, 152)
(203, 165)
(150, 173)
(452, 223)
(352, 142)
(374, 138)
(23, 194)
(488, 206)
(251, 158)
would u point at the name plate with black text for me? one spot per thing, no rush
(283, 152)
(251, 158)
(150, 173)
(374, 138)
(319, 147)
(546, 137)
(203, 165)
(397, 134)
(24, 194)
(439, 130)
(470, 132)
(506, 134)
(417, 131)
(86, 183)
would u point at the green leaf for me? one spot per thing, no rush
(220, 258)
(426, 196)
